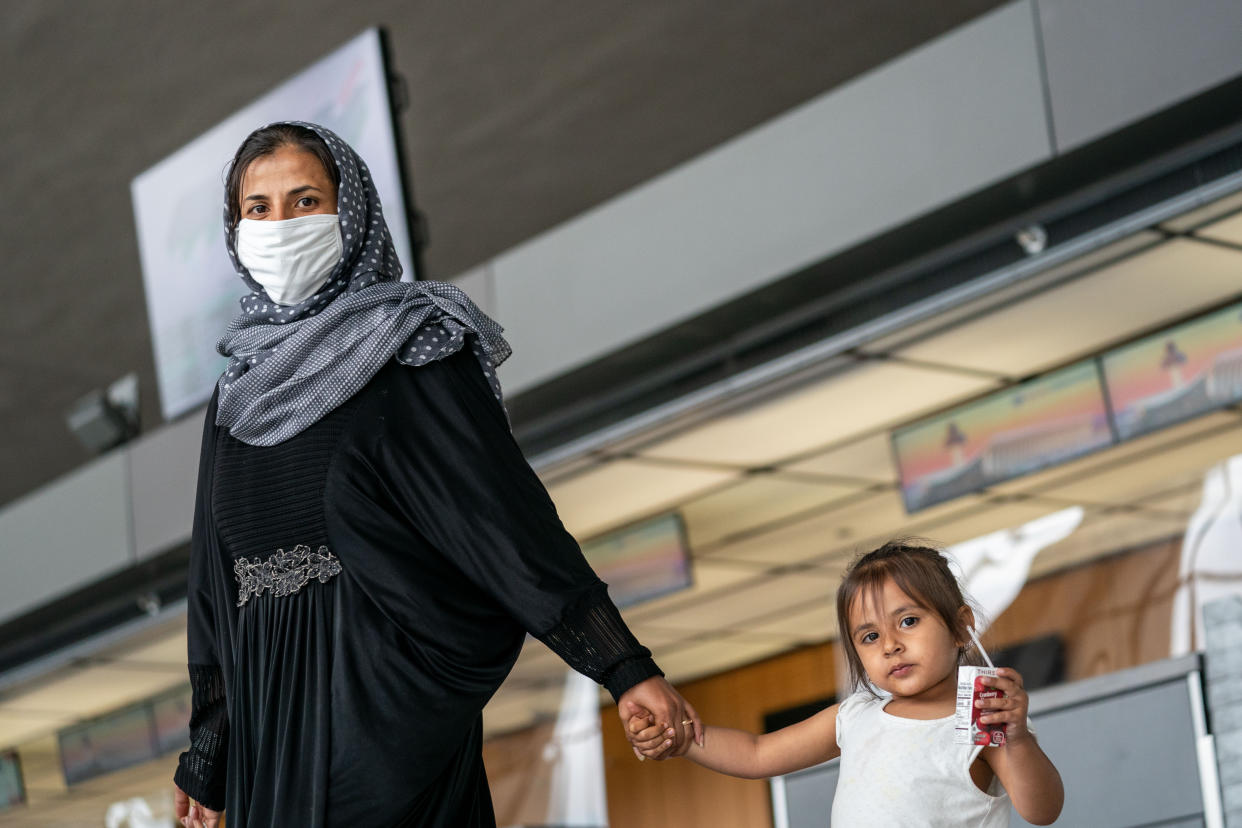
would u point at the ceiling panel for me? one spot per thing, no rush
(805, 626)
(720, 654)
(620, 491)
(753, 502)
(1177, 502)
(851, 403)
(516, 703)
(513, 709)
(789, 544)
(738, 606)
(842, 532)
(1130, 482)
(537, 666)
(16, 728)
(1127, 298)
(1227, 230)
(869, 459)
(659, 639)
(94, 690)
(547, 702)
(847, 526)
(1197, 218)
(991, 517)
(169, 649)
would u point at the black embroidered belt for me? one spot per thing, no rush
(284, 573)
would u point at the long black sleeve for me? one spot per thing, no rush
(446, 449)
(593, 639)
(201, 769)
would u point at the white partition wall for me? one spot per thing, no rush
(1112, 62)
(65, 535)
(945, 120)
(163, 475)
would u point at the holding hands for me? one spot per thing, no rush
(655, 739)
(193, 815)
(668, 724)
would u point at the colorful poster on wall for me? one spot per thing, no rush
(643, 561)
(1007, 434)
(1176, 374)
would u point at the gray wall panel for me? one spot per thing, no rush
(1111, 62)
(1113, 777)
(163, 477)
(938, 123)
(64, 535)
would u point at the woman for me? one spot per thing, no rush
(369, 548)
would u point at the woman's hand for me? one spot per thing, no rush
(193, 815)
(1010, 709)
(663, 705)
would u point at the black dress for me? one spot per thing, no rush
(358, 593)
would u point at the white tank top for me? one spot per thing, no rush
(907, 773)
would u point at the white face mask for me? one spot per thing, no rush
(293, 258)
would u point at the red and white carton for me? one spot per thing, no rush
(967, 729)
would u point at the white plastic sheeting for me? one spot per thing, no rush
(993, 567)
(1211, 565)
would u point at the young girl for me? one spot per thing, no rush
(905, 627)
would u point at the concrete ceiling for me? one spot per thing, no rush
(521, 115)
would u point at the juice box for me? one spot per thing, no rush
(966, 727)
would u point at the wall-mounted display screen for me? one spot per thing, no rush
(109, 743)
(1176, 374)
(125, 737)
(171, 713)
(643, 561)
(191, 288)
(1013, 432)
(12, 787)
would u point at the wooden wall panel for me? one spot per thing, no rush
(518, 775)
(1112, 614)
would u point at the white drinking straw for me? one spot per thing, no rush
(982, 651)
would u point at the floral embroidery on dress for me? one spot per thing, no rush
(284, 573)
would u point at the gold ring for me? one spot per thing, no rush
(688, 721)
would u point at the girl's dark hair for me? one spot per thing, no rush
(265, 141)
(923, 573)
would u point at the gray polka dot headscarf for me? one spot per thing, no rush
(289, 365)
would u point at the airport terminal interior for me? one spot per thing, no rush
(1039, 371)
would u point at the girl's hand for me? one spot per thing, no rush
(193, 815)
(1011, 710)
(648, 738)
